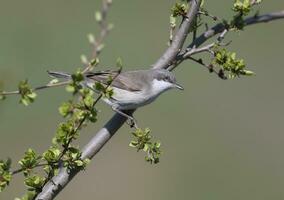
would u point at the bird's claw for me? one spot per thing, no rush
(132, 123)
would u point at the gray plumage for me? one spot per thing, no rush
(132, 89)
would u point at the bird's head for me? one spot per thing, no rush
(164, 80)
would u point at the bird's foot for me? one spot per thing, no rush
(132, 122)
(130, 119)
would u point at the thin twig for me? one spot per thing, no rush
(210, 67)
(104, 30)
(219, 28)
(21, 169)
(4, 93)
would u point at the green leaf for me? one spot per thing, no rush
(27, 95)
(84, 59)
(66, 109)
(52, 155)
(35, 182)
(70, 88)
(179, 9)
(64, 133)
(30, 160)
(5, 174)
(242, 6)
(142, 141)
(230, 64)
(98, 16)
(119, 63)
(95, 62)
(91, 38)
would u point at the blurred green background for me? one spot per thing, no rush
(221, 140)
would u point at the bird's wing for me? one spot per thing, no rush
(121, 81)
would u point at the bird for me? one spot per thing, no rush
(131, 89)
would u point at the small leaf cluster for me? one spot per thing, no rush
(29, 161)
(230, 64)
(179, 9)
(72, 159)
(75, 85)
(242, 8)
(61, 153)
(105, 90)
(27, 94)
(33, 180)
(142, 141)
(5, 174)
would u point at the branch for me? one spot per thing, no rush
(97, 44)
(166, 59)
(53, 187)
(219, 28)
(49, 85)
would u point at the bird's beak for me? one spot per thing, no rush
(178, 86)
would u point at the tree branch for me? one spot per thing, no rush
(49, 85)
(248, 21)
(53, 187)
(166, 59)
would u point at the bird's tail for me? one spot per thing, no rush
(59, 74)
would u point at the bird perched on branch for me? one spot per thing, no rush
(131, 89)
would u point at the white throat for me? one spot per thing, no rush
(159, 86)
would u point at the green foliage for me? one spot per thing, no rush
(72, 159)
(81, 109)
(52, 155)
(66, 108)
(106, 91)
(119, 63)
(30, 160)
(95, 62)
(65, 132)
(35, 182)
(75, 85)
(242, 6)
(230, 64)
(142, 141)
(27, 95)
(179, 9)
(91, 38)
(5, 174)
(98, 16)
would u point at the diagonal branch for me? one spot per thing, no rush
(219, 28)
(53, 187)
(166, 59)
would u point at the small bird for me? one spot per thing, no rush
(131, 89)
